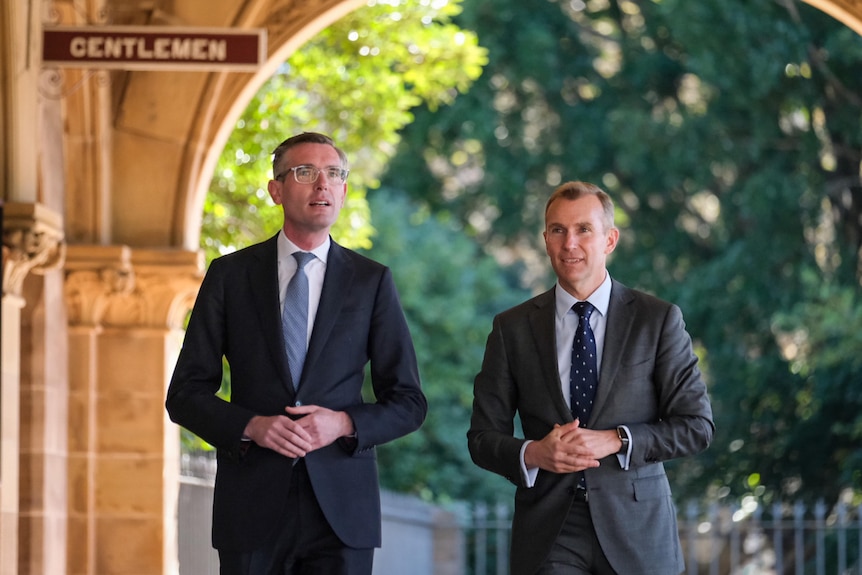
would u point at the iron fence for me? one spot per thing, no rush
(718, 539)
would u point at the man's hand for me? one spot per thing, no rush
(322, 426)
(279, 433)
(569, 448)
(317, 427)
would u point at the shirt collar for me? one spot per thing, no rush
(600, 298)
(286, 248)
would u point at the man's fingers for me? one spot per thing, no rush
(291, 445)
(296, 432)
(568, 428)
(301, 409)
(572, 463)
(283, 435)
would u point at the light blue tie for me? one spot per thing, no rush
(294, 317)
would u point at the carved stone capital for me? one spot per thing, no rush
(32, 242)
(117, 286)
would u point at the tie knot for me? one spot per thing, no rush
(302, 258)
(584, 309)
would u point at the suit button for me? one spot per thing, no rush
(298, 404)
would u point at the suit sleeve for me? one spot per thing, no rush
(400, 406)
(685, 426)
(490, 439)
(191, 399)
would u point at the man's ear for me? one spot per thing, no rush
(274, 189)
(613, 238)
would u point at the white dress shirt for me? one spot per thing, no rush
(314, 269)
(565, 325)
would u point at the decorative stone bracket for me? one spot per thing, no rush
(105, 285)
(32, 242)
(117, 286)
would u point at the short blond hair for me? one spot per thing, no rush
(575, 190)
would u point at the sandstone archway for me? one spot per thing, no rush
(104, 176)
(149, 140)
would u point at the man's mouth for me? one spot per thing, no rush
(320, 203)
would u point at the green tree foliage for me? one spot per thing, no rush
(357, 81)
(450, 291)
(729, 133)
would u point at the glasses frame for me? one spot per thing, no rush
(316, 171)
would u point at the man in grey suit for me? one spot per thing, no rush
(592, 494)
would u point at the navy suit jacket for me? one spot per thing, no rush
(236, 316)
(649, 381)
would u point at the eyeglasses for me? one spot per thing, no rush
(309, 174)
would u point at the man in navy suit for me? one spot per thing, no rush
(296, 487)
(592, 495)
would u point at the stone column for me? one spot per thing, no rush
(32, 244)
(126, 314)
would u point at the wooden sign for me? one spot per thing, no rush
(154, 48)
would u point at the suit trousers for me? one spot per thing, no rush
(306, 545)
(577, 550)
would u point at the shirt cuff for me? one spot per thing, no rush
(625, 458)
(528, 476)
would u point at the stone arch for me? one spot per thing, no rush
(848, 12)
(103, 178)
(168, 128)
(149, 140)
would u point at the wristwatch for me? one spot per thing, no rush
(624, 437)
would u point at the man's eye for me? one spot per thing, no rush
(333, 173)
(303, 172)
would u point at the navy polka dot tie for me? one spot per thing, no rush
(583, 378)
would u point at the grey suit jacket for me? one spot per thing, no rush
(649, 381)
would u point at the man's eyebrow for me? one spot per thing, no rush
(586, 224)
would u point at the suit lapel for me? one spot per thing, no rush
(263, 279)
(543, 328)
(339, 275)
(619, 325)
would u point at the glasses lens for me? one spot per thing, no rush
(305, 174)
(309, 174)
(336, 174)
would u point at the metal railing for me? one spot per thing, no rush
(742, 539)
